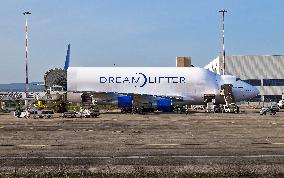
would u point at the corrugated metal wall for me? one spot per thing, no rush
(257, 67)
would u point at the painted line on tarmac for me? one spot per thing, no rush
(246, 156)
(32, 145)
(162, 144)
(140, 157)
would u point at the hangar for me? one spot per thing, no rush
(266, 72)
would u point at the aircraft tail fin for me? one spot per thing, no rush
(67, 61)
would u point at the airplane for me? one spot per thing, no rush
(162, 87)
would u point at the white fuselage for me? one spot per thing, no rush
(190, 83)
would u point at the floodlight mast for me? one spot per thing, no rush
(223, 40)
(26, 55)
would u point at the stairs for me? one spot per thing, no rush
(227, 92)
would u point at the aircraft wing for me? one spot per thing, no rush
(138, 99)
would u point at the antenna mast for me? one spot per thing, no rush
(223, 40)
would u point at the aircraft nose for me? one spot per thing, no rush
(254, 91)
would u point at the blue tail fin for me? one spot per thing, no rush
(67, 61)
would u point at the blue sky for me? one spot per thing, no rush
(133, 33)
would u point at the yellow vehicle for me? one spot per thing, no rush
(58, 106)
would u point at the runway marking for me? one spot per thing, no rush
(161, 144)
(142, 157)
(7, 145)
(261, 143)
(32, 145)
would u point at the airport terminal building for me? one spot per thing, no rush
(266, 72)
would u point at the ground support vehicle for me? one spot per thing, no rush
(210, 107)
(71, 114)
(217, 109)
(126, 110)
(198, 107)
(281, 104)
(231, 108)
(184, 109)
(85, 113)
(94, 112)
(264, 111)
(275, 107)
(44, 114)
(22, 114)
(142, 110)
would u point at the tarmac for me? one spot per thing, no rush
(197, 142)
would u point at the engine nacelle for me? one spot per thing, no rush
(125, 102)
(164, 104)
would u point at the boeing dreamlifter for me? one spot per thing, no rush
(160, 87)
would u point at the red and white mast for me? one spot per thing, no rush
(26, 56)
(223, 40)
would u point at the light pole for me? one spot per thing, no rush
(26, 57)
(223, 40)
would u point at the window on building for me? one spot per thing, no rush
(253, 82)
(272, 98)
(273, 82)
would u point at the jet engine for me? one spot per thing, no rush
(125, 102)
(164, 104)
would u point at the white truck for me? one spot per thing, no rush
(231, 108)
(22, 114)
(281, 104)
(210, 107)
